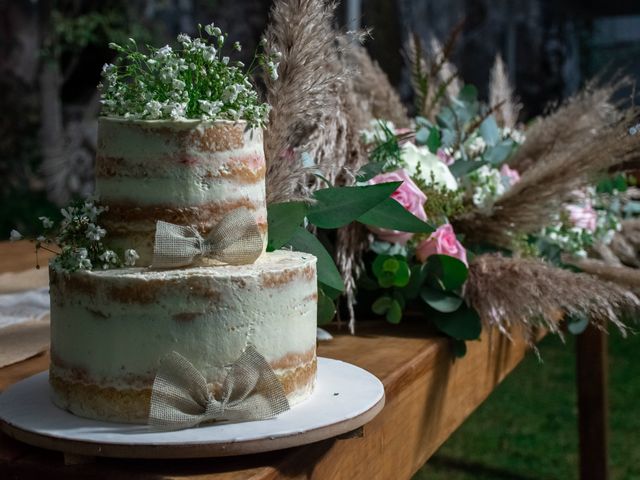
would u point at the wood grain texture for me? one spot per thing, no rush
(20, 256)
(428, 396)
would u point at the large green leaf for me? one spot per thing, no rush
(304, 241)
(338, 206)
(446, 272)
(444, 302)
(393, 216)
(463, 324)
(283, 219)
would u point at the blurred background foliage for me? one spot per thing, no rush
(52, 53)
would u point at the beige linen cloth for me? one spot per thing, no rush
(24, 315)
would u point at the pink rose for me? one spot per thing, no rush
(584, 217)
(445, 157)
(442, 242)
(408, 195)
(510, 174)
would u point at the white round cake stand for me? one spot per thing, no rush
(345, 398)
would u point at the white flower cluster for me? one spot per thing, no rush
(485, 185)
(569, 239)
(79, 238)
(588, 220)
(518, 136)
(191, 81)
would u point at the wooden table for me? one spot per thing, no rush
(428, 396)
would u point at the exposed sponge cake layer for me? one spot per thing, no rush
(189, 172)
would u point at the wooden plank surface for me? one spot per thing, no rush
(428, 396)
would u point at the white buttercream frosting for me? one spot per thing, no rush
(115, 325)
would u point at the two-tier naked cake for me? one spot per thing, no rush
(109, 329)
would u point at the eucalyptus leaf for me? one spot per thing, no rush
(336, 207)
(283, 219)
(391, 215)
(489, 131)
(462, 168)
(394, 314)
(381, 305)
(304, 241)
(402, 275)
(441, 301)
(422, 136)
(463, 324)
(497, 154)
(423, 122)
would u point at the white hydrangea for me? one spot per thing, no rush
(423, 164)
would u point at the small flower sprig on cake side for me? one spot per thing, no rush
(78, 238)
(193, 80)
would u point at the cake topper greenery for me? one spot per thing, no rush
(193, 80)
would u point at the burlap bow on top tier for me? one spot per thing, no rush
(235, 240)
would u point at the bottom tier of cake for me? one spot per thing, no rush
(109, 329)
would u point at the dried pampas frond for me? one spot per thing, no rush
(315, 112)
(303, 95)
(631, 232)
(351, 242)
(537, 199)
(501, 95)
(581, 118)
(626, 277)
(520, 295)
(373, 89)
(433, 78)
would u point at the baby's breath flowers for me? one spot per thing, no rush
(192, 80)
(79, 240)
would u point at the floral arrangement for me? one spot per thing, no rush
(506, 222)
(193, 80)
(78, 239)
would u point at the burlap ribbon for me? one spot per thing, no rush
(180, 397)
(235, 240)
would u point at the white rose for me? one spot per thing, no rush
(432, 170)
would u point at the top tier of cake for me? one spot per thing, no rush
(188, 173)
